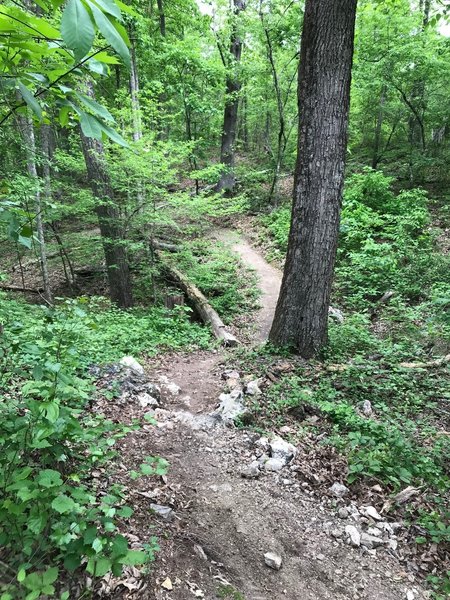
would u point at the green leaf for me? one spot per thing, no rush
(119, 546)
(63, 504)
(72, 562)
(125, 512)
(50, 575)
(113, 135)
(97, 545)
(110, 7)
(134, 557)
(98, 567)
(77, 29)
(21, 575)
(90, 127)
(96, 108)
(110, 32)
(30, 100)
(49, 478)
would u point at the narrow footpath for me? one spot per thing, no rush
(222, 524)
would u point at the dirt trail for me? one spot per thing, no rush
(269, 278)
(223, 523)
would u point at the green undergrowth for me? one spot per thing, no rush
(231, 288)
(54, 519)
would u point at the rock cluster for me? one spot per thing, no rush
(367, 529)
(231, 405)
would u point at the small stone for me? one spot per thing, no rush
(131, 363)
(173, 388)
(167, 584)
(282, 450)
(336, 533)
(343, 513)
(372, 512)
(263, 443)
(370, 541)
(366, 409)
(147, 400)
(410, 595)
(374, 531)
(338, 489)
(252, 388)
(353, 535)
(392, 544)
(274, 464)
(200, 552)
(165, 512)
(272, 560)
(251, 471)
(320, 557)
(286, 429)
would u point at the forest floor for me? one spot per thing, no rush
(221, 524)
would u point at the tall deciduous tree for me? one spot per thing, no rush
(227, 180)
(109, 218)
(324, 97)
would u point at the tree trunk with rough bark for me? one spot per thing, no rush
(301, 316)
(109, 219)
(227, 181)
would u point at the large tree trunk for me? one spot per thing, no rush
(301, 316)
(109, 219)
(227, 180)
(27, 128)
(378, 125)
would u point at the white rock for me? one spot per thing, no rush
(336, 314)
(354, 535)
(131, 363)
(173, 388)
(231, 406)
(371, 511)
(147, 400)
(282, 450)
(252, 388)
(272, 560)
(286, 429)
(410, 595)
(338, 489)
(274, 464)
(367, 408)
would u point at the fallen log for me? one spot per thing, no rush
(160, 245)
(18, 288)
(202, 306)
(426, 365)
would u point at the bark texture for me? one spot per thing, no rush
(301, 316)
(227, 180)
(109, 219)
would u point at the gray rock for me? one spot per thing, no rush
(131, 363)
(165, 512)
(282, 450)
(336, 533)
(274, 464)
(251, 471)
(147, 400)
(343, 513)
(173, 388)
(272, 560)
(371, 511)
(370, 541)
(263, 443)
(353, 535)
(338, 489)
